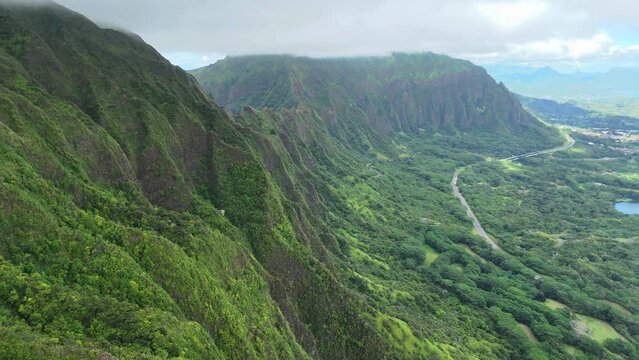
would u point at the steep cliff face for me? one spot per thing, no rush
(409, 93)
(115, 169)
(66, 56)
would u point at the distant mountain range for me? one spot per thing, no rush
(548, 83)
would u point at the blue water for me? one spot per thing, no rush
(627, 208)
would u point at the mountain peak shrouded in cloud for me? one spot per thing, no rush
(571, 33)
(194, 33)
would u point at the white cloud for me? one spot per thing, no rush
(480, 30)
(509, 15)
(556, 48)
(575, 52)
(625, 49)
(190, 60)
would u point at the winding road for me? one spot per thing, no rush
(469, 211)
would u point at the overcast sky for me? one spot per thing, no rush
(565, 34)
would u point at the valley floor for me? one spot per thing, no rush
(469, 211)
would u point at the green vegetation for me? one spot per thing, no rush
(618, 307)
(555, 305)
(140, 220)
(610, 92)
(595, 329)
(531, 336)
(388, 222)
(556, 215)
(363, 101)
(621, 106)
(572, 115)
(113, 168)
(431, 255)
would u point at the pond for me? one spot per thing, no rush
(630, 208)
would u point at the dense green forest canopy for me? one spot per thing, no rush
(141, 220)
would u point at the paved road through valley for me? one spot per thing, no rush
(469, 211)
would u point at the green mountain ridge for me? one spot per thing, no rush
(312, 219)
(400, 93)
(92, 117)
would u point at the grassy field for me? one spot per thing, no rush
(553, 304)
(572, 350)
(431, 255)
(595, 329)
(618, 106)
